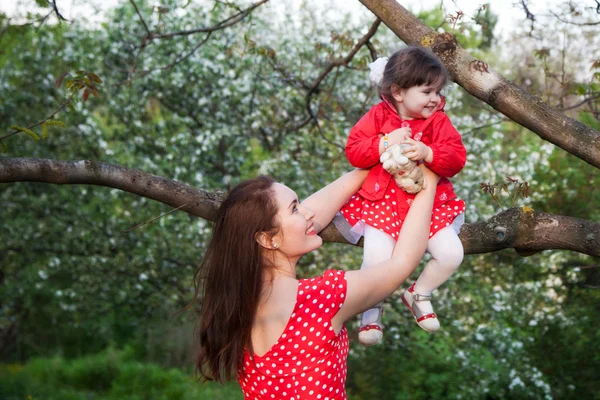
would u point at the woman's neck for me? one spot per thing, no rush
(283, 266)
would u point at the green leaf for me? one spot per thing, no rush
(55, 122)
(4, 147)
(44, 131)
(27, 131)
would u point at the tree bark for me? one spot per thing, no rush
(477, 78)
(523, 229)
(196, 202)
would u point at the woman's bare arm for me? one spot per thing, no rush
(369, 286)
(327, 201)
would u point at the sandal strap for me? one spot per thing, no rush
(426, 316)
(421, 297)
(369, 327)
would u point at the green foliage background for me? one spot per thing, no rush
(74, 287)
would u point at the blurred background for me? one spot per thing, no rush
(88, 306)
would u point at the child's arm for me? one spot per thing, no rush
(448, 152)
(362, 147)
(327, 201)
(368, 286)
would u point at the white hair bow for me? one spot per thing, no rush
(377, 67)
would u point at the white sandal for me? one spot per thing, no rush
(371, 334)
(428, 322)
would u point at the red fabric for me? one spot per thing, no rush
(383, 214)
(309, 359)
(379, 189)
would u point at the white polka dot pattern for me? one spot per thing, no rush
(309, 359)
(388, 213)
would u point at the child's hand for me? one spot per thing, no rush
(398, 135)
(417, 151)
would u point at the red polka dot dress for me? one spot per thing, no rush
(309, 359)
(388, 214)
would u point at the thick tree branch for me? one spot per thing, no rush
(478, 79)
(523, 229)
(528, 231)
(199, 202)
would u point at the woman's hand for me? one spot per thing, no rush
(327, 201)
(431, 178)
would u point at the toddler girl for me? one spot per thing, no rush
(411, 113)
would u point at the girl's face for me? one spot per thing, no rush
(297, 235)
(417, 102)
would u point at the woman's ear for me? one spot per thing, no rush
(397, 93)
(266, 240)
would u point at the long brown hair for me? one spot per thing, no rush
(230, 278)
(411, 66)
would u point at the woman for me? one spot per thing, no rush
(285, 338)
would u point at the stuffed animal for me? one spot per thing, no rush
(406, 173)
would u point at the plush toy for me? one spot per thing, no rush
(406, 173)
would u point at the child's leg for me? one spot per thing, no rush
(447, 253)
(378, 247)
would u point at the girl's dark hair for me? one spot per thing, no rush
(230, 278)
(411, 66)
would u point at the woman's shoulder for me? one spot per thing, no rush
(329, 277)
(329, 286)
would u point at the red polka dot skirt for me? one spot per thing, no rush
(388, 214)
(309, 359)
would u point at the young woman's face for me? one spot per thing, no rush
(297, 235)
(418, 102)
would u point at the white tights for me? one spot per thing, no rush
(446, 251)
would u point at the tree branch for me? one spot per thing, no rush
(141, 18)
(221, 25)
(478, 79)
(199, 202)
(523, 229)
(58, 14)
(339, 62)
(345, 60)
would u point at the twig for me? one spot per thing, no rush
(334, 64)
(221, 25)
(141, 18)
(177, 60)
(55, 7)
(123, 233)
(41, 122)
(584, 101)
(344, 61)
